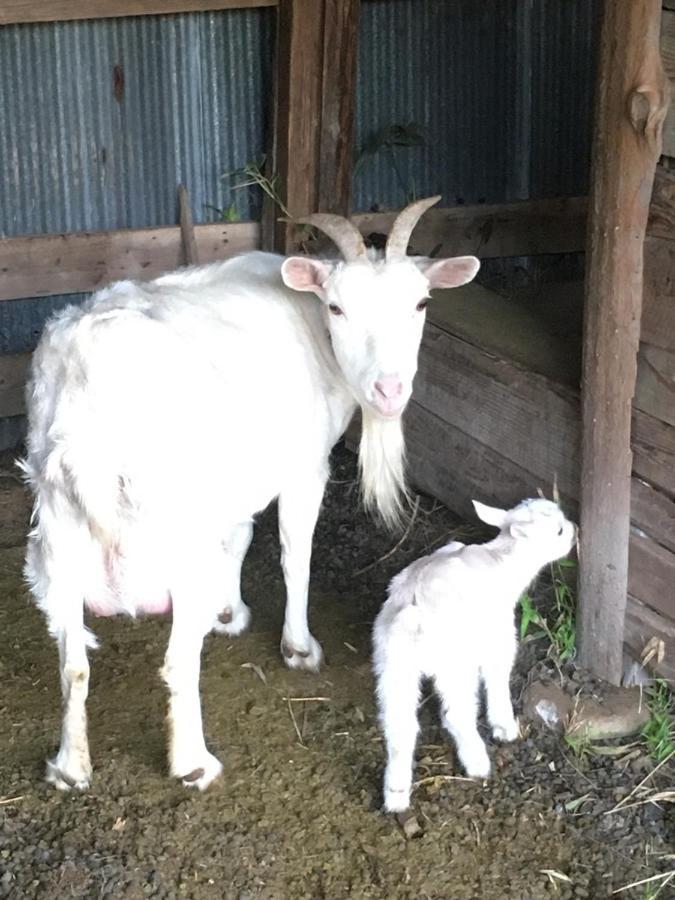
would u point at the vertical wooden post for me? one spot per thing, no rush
(315, 87)
(631, 103)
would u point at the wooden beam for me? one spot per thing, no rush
(43, 265)
(338, 105)
(631, 104)
(315, 86)
(522, 228)
(187, 227)
(24, 11)
(643, 624)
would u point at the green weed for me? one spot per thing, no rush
(659, 732)
(252, 175)
(560, 624)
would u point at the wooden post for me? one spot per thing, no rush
(315, 79)
(187, 227)
(631, 104)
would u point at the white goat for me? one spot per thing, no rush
(450, 617)
(163, 416)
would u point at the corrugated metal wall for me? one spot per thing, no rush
(100, 120)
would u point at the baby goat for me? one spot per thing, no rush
(450, 617)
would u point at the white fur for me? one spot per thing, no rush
(450, 617)
(164, 415)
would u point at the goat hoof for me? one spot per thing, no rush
(233, 622)
(506, 731)
(305, 659)
(63, 780)
(202, 776)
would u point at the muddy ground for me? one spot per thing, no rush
(297, 813)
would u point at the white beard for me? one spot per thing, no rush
(382, 468)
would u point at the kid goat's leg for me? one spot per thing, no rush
(398, 691)
(235, 615)
(194, 605)
(458, 690)
(71, 768)
(496, 674)
(298, 512)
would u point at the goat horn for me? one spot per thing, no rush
(344, 234)
(405, 221)
(556, 492)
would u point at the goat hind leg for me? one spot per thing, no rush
(189, 760)
(235, 617)
(71, 767)
(459, 699)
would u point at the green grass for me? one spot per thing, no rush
(560, 624)
(659, 732)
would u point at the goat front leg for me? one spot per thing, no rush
(298, 512)
(398, 692)
(189, 760)
(71, 767)
(235, 616)
(496, 673)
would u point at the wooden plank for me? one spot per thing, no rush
(652, 574)
(456, 468)
(533, 421)
(668, 56)
(13, 375)
(631, 104)
(522, 228)
(655, 386)
(43, 265)
(654, 451)
(18, 11)
(643, 624)
(657, 325)
(653, 512)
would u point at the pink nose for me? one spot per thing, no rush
(389, 387)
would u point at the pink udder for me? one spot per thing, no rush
(155, 606)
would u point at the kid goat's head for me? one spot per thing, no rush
(375, 311)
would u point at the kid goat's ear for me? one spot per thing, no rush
(489, 514)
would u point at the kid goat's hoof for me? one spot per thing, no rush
(64, 780)
(506, 731)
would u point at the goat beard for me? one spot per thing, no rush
(382, 468)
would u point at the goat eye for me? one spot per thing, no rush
(560, 531)
(422, 305)
(335, 309)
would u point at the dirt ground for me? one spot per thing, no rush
(297, 813)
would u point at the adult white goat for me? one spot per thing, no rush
(449, 616)
(163, 416)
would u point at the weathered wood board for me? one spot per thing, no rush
(655, 385)
(43, 265)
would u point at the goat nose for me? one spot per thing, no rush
(389, 386)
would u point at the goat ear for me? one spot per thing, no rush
(449, 273)
(303, 274)
(489, 514)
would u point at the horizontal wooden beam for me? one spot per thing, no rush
(522, 228)
(43, 265)
(14, 12)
